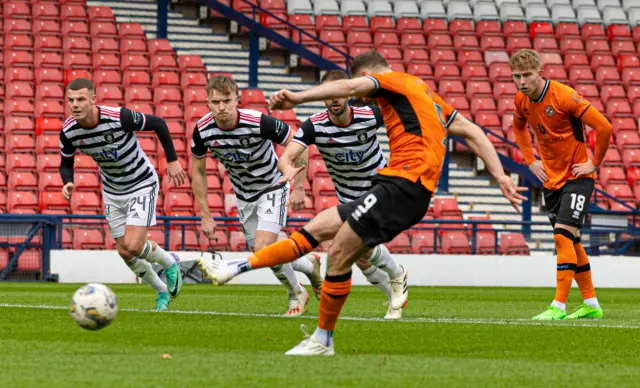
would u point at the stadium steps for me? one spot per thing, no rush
(218, 52)
(476, 196)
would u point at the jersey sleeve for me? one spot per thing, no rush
(573, 103)
(274, 130)
(446, 111)
(67, 149)
(306, 134)
(198, 148)
(132, 121)
(519, 121)
(378, 115)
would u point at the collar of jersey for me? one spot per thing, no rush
(544, 93)
(236, 124)
(95, 126)
(341, 126)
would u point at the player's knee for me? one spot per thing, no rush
(124, 253)
(363, 264)
(133, 247)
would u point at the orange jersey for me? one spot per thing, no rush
(416, 119)
(556, 120)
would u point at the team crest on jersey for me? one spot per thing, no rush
(549, 111)
(109, 137)
(577, 97)
(362, 137)
(244, 141)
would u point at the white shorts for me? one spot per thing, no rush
(268, 213)
(137, 209)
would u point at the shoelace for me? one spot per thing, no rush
(303, 327)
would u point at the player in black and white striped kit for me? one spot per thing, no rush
(242, 140)
(346, 139)
(130, 183)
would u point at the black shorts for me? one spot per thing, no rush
(390, 207)
(569, 204)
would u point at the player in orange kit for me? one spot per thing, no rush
(556, 113)
(417, 122)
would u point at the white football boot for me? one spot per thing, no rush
(214, 270)
(310, 346)
(399, 293)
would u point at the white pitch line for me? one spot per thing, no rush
(463, 321)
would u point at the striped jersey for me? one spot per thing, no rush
(124, 166)
(246, 151)
(351, 153)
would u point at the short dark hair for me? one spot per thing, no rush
(222, 83)
(334, 75)
(81, 83)
(370, 59)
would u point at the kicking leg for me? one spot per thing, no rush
(298, 296)
(297, 245)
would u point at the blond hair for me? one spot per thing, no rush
(223, 84)
(525, 59)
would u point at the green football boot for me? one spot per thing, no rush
(552, 313)
(586, 312)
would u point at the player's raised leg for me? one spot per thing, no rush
(300, 243)
(590, 308)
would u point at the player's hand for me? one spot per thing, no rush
(537, 168)
(297, 199)
(283, 100)
(176, 173)
(289, 173)
(581, 169)
(209, 228)
(67, 190)
(511, 192)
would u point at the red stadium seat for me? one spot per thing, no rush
(163, 62)
(132, 46)
(136, 62)
(130, 30)
(88, 239)
(325, 202)
(87, 181)
(176, 201)
(446, 207)
(198, 80)
(195, 112)
(20, 162)
(351, 23)
(85, 203)
(183, 241)
(48, 163)
(188, 63)
(382, 24)
(45, 11)
(513, 244)
(23, 143)
(434, 25)
(166, 94)
(22, 180)
(609, 175)
(53, 200)
(135, 77)
(104, 29)
(22, 200)
(165, 78)
(401, 244)
(100, 14)
(19, 125)
(455, 242)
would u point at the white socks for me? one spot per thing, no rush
(303, 265)
(324, 336)
(593, 302)
(287, 277)
(560, 305)
(144, 271)
(159, 256)
(378, 279)
(382, 259)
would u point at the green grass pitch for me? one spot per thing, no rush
(233, 336)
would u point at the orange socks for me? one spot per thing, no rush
(583, 271)
(567, 263)
(335, 290)
(299, 244)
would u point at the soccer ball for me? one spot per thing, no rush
(94, 306)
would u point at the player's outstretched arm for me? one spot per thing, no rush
(481, 146)
(357, 87)
(200, 189)
(593, 118)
